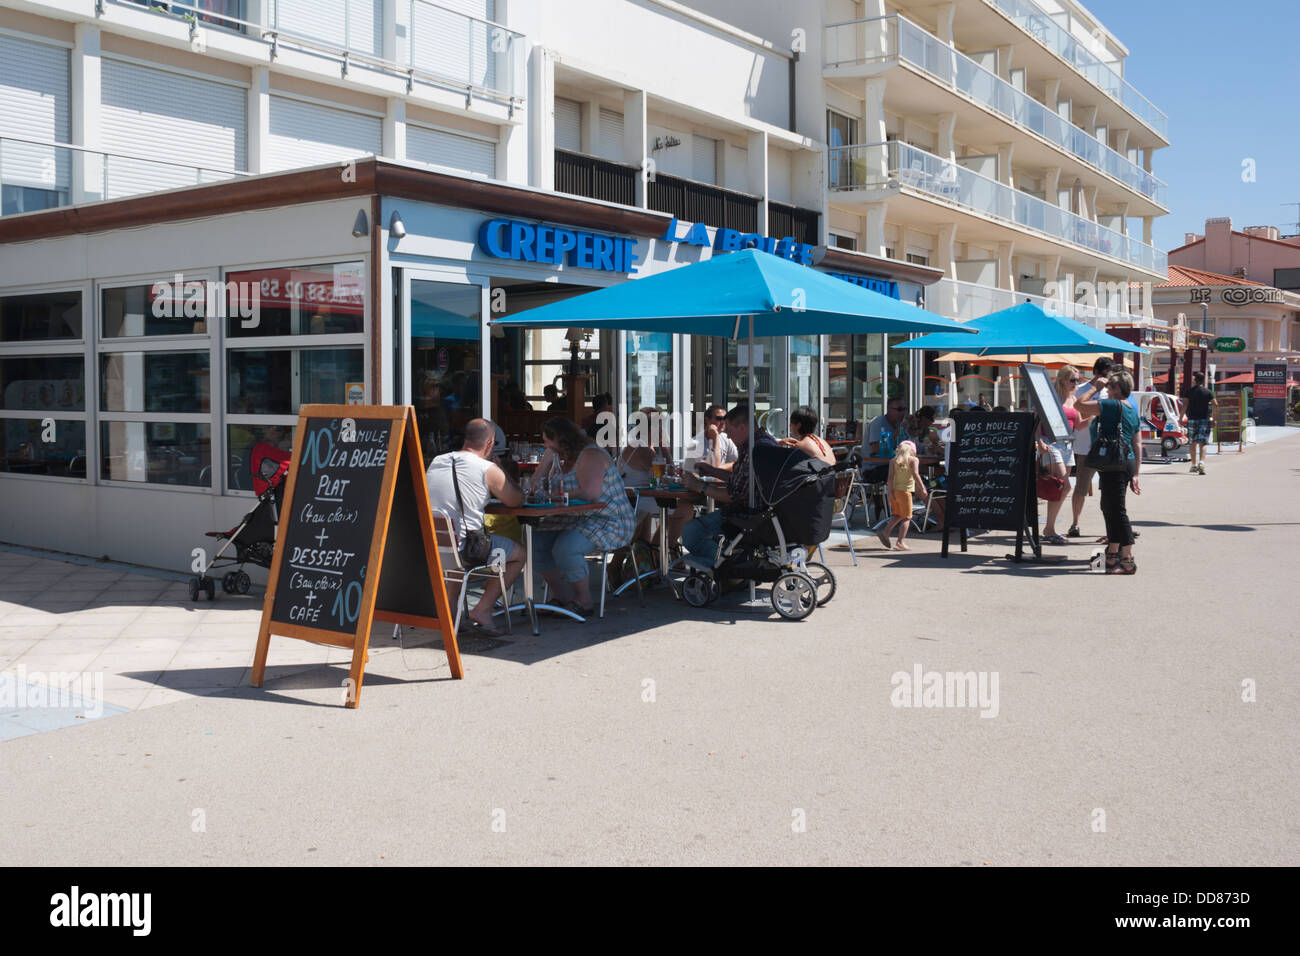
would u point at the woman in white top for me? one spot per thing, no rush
(635, 463)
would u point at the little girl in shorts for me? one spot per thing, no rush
(904, 479)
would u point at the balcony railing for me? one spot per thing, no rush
(887, 164)
(466, 50)
(1042, 27)
(799, 224)
(440, 44)
(700, 202)
(883, 38)
(38, 175)
(964, 301)
(580, 175)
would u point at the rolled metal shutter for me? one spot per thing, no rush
(173, 116)
(568, 125)
(704, 159)
(308, 134)
(34, 104)
(611, 135)
(442, 148)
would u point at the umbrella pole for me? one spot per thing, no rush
(752, 426)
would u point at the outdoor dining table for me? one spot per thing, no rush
(668, 498)
(528, 516)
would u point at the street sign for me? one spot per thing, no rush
(1229, 344)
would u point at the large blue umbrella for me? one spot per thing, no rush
(710, 298)
(1027, 328)
(753, 293)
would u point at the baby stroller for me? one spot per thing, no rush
(796, 495)
(254, 536)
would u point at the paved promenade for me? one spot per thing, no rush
(1115, 729)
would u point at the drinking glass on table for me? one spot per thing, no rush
(558, 495)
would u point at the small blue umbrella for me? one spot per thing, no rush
(750, 292)
(1027, 328)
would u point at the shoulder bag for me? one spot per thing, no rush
(1050, 487)
(1109, 452)
(478, 544)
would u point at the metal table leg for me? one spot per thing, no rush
(530, 604)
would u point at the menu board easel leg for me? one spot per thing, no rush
(259, 657)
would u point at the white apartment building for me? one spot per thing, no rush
(957, 155)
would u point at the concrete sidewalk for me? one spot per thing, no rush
(1138, 720)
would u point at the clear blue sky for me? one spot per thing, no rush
(1225, 75)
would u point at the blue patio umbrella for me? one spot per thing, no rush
(1027, 328)
(750, 292)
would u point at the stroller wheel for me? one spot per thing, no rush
(794, 595)
(823, 580)
(210, 586)
(699, 589)
(243, 583)
(194, 589)
(228, 583)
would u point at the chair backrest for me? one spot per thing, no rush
(844, 482)
(444, 533)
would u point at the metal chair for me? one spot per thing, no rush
(845, 483)
(448, 542)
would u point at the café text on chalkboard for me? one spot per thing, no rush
(989, 471)
(328, 533)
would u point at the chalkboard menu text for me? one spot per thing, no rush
(356, 474)
(991, 476)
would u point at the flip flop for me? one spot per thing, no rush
(486, 629)
(579, 610)
(1055, 539)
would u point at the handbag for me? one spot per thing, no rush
(1108, 452)
(478, 544)
(1050, 487)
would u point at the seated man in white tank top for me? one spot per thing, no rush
(479, 478)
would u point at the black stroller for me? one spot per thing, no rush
(254, 536)
(796, 498)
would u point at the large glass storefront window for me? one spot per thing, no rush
(765, 359)
(40, 317)
(169, 453)
(649, 371)
(806, 372)
(326, 299)
(155, 397)
(446, 358)
(42, 413)
(303, 344)
(855, 383)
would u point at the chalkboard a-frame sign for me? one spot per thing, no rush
(992, 477)
(356, 541)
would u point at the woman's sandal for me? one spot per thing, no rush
(1112, 562)
(1126, 566)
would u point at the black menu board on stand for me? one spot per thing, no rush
(992, 477)
(356, 541)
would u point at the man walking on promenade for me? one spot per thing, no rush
(1199, 419)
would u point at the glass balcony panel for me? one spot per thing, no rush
(858, 166)
(903, 39)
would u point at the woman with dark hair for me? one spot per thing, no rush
(561, 546)
(803, 435)
(1116, 415)
(920, 429)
